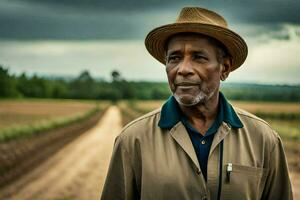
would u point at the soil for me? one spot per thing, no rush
(17, 157)
(13, 113)
(76, 171)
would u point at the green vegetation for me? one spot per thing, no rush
(82, 87)
(86, 87)
(281, 116)
(128, 111)
(14, 132)
(287, 129)
(256, 92)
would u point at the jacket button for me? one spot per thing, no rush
(204, 198)
(198, 171)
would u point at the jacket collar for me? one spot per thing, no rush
(171, 113)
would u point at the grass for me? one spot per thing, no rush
(26, 118)
(143, 106)
(287, 129)
(128, 111)
(268, 107)
(17, 112)
(16, 132)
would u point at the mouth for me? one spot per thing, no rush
(186, 84)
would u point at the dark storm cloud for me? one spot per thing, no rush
(114, 19)
(120, 5)
(27, 20)
(246, 10)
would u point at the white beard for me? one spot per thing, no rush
(201, 97)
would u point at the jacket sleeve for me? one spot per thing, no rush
(119, 183)
(278, 185)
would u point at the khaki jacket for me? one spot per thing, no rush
(153, 163)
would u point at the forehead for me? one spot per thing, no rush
(189, 40)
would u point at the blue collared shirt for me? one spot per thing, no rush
(171, 114)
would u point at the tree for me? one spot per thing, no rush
(7, 83)
(35, 86)
(59, 88)
(83, 87)
(116, 76)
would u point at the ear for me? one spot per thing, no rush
(225, 68)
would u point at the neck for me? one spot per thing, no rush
(202, 116)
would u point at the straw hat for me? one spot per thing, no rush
(203, 21)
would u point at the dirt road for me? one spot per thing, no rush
(77, 171)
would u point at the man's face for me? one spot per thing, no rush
(193, 69)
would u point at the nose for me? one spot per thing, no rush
(185, 68)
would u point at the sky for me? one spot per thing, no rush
(65, 37)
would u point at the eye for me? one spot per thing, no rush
(199, 57)
(173, 58)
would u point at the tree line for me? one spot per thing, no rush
(84, 86)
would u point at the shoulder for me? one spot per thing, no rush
(246, 116)
(139, 131)
(257, 127)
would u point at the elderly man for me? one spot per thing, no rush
(197, 146)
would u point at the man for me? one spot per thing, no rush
(197, 146)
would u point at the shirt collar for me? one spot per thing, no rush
(171, 114)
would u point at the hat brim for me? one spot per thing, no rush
(156, 40)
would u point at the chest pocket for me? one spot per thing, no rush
(245, 182)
